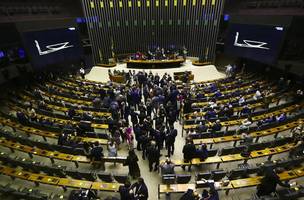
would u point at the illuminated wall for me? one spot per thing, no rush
(126, 26)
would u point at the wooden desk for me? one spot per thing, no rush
(175, 188)
(287, 175)
(299, 172)
(73, 183)
(40, 178)
(246, 182)
(105, 186)
(264, 152)
(233, 157)
(209, 160)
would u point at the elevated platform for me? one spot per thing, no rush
(154, 64)
(201, 73)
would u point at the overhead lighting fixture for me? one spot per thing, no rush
(279, 28)
(72, 28)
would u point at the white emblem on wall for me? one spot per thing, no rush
(53, 47)
(249, 43)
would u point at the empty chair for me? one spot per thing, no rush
(237, 173)
(121, 178)
(106, 177)
(90, 176)
(203, 175)
(212, 152)
(183, 178)
(226, 151)
(168, 179)
(218, 175)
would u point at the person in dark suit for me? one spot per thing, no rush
(131, 161)
(189, 151)
(170, 140)
(269, 182)
(153, 155)
(124, 191)
(97, 155)
(140, 190)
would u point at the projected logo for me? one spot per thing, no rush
(249, 43)
(52, 48)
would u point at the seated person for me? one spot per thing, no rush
(202, 127)
(22, 118)
(242, 100)
(270, 119)
(282, 118)
(202, 152)
(257, 95)
(245, 123)
(210, 114)
(167, 167)
(246, 139)
(218, 94)
(217, 126)
(246, 110)
(190, 195)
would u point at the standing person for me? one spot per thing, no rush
(97, 156)
(112, 149)
(131, 161)
(124, 191)
(189, 151)
(170, 140)
(82, 73)
(153, 154)
(140, 190)
(129, 137)
(269, 182)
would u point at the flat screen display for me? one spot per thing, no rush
(49, 47)
(257, 42)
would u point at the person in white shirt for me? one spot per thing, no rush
(257, 95)
(82, 72)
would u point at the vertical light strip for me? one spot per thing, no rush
(175, 3)
(193, 2)
(156, 3)
(111, 4)
(101, 4)
(148, 4)
(92, 4)
(213, 2)
(120, 4)
(138, 4)
(130, 4)
(184, 2)
(166, 3)
(203, 2)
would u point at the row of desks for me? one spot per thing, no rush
(53, 154)
(255, 118)
(233, 184)
(56, 181)
(255, 134)
(235, 157)
(49, 134)
(65, 109)
(62, 121)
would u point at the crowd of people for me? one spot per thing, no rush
(143, 115)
